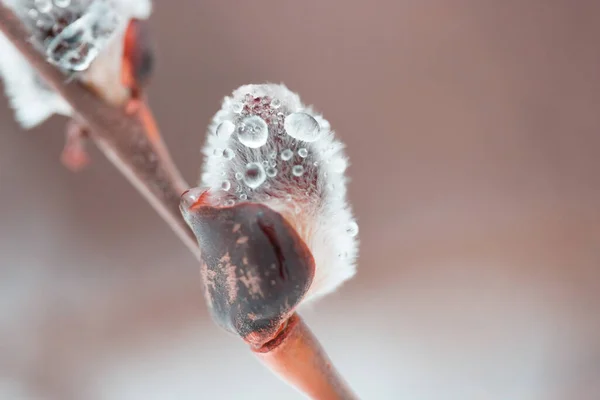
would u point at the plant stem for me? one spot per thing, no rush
(132, 143)
(122, 137)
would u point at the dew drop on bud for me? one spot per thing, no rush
(298, 170)
(286, 154)
(238, 176)
(243, 196)
(218, 152)
(253, 132)
(303, 152)
(225, 129)
(237, 107)
(225, 185)
(228, 154)
(254, 175)
(272, 163)
(265, 163)
(43, 6)
(275, 103)
(271, 172)
(302, 126)
(273, 155)
(352, 229)
(62, 3)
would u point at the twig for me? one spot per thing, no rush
(121, 137)
(132, 143)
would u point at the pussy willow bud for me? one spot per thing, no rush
(264, 146)
(84, 38)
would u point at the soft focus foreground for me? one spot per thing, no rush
(473, 135)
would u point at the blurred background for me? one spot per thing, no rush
(473, 128)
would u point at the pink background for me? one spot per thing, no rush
(473, 132)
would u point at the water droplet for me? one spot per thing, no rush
(225, 130)
(265, 163)
(238, 176)
(253, 132)
(286, 154)
(254, 175)
(218, 152)
(238, 189)
(338, 165)
(298, 170)
(43, 6)
(273, 155)
(237, 107)
(302, 126)
(303, 152)
(225, 185)
(273, 163)
(271, 172)
(228, 154)
(62, 3)
(288, 197)
(243, 196)
(316, 163)
(275, 103)
(229, 203)
(352, 229)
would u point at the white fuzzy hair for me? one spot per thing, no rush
(314, 203)
(33, 101)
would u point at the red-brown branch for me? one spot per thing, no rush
(140, 154)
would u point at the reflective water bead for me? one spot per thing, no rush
(286, 154)
(275, 103)
(303, 152)
(265, 163)
(253, 132)
(273, 155)
(298, 170)
(237, 107)
(273, 163)
(352, 229)
(243, 196)
(302, 126)
(254, 175)
(229, 202)
(225, 185)
(238, 176)
(43, 6)
(62, 3)
(271, 172)
(228, 154)
(225, 130)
